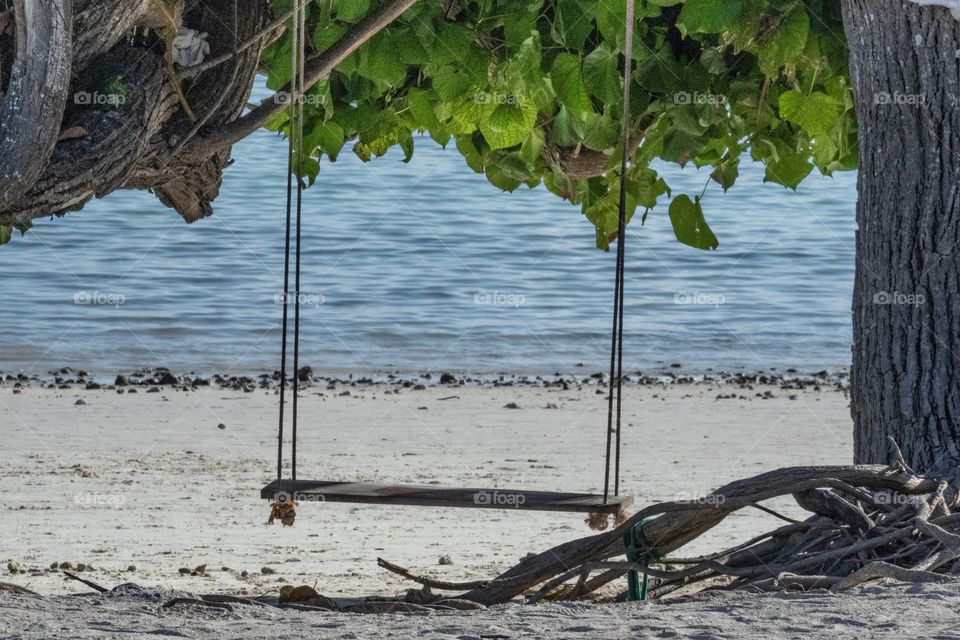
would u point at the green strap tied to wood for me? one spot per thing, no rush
(639, 553)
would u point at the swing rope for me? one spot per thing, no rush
(294, 172)
(614, 408)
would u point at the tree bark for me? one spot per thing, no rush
(905, 380)
(32, 108)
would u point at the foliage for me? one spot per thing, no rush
(520, 87)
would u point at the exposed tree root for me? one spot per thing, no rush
(866, 523)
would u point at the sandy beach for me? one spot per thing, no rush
(150, 480)
(149, 487)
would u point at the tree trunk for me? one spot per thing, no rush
(33, 105)
(905, 380)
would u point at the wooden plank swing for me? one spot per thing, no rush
(285, 493)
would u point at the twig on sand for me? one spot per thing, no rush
(197, 603)
(89, 583)
(15, 588)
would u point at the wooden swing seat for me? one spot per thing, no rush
(430, 496)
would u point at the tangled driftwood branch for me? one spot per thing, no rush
(866, 522)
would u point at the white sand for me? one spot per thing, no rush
(149, 480)
(896, 612)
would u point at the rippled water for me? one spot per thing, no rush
(426, 266)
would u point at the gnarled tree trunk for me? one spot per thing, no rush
(906, 305)
(57, 152)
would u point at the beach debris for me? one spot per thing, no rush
(201, 570)
(447, 378)
(445, 560)
(552, 405)
(305, 374)
(196, 602)
(511, 405)
(184, 571)
(65, 565)
(866, 522)
(14, 567)
(267, 571)
(90, 583)
(131, 568)
(303, 593)
(448, 398)
(80, 401)
(15, 588)
(221, 426)
(284, 509)
(166, 378)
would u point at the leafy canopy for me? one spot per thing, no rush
(529, 92)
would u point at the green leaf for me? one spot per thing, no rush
(352, 10)
(710, 16)
(470, 153)
(816, 112)
(689, 225)
(379, 61)
(789, 169)
(602, 76)
(571, 23)
(727, 172)
(450, 84)
(330, 138)
(532, 147)
(421, 108)
(786, 44)
(568, 84)
(646, 186)
(326, 34)
(509, 124)
(567, 128)
(600, 132)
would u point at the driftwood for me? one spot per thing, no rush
(867, 522)
(90, 583)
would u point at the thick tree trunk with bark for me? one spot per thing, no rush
(58, 152)
(906, 306)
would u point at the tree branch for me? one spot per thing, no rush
(317, 68)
